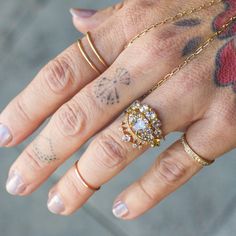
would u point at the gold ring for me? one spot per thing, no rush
(191, 153)
(100, 58)
(83, 181)
(141, 126)
(86, 57)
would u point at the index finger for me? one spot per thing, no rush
(57, 82)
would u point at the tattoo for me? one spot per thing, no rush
(191, 46)
(230, 9)
(106, 89)
(225, 63)
(188, 22)
(44, 150)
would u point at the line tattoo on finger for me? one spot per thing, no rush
(44, 150)
(107, 89)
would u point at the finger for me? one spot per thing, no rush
(86, 20)
(91, 109)
(107, 155)
(173, 168)
(56, 83)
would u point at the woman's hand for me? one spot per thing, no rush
(199, 100)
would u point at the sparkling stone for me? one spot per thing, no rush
(156, 124)
(135, 145)
(131, 119)
(140, 124)
(144, 108)
(151, 115)
(126, 138)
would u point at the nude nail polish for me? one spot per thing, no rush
(55, 204)
(82, 13)
(15, 184)
(120, 209)
(5, 135)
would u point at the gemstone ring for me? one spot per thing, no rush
(141, 126)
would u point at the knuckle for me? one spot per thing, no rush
(70, 118)
(118, 6)
(132, 18)
(168, 43)
(110, 153)
(21, 110)
(32, 160)
(58, 74)
(150, 194)
(170, 170)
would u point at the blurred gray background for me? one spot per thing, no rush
(31, 33)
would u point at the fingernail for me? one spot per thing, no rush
(15, 185)
(5, 135)
(55, 204)
(120, 209)
(82, 13)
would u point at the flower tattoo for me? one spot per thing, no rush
(226, 56)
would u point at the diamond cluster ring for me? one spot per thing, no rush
(141, 126)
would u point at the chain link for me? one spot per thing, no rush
(174, 18)
(192, 56)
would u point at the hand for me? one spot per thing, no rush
(199, 100)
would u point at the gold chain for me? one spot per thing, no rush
(174, 18)
(192, 56)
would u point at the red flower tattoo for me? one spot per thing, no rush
(225, 74)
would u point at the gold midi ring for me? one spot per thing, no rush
(141, 126)
(95, 51)
(191, 153)
(86, 57)
(100, 58)
(83, 181)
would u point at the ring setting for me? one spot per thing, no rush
(141, 126)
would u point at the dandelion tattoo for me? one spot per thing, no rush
(106, 89)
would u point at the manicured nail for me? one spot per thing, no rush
(82, 13)
(120, 209)
(15, 185)
(5, 135)
(55, 204)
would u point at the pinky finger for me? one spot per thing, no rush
(171, 170)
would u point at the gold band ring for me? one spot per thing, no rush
(95, 51)
(86, 57)
(141, 126)
(191, 153)
(83, 181)
(100, 58)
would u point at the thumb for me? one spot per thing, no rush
(87, 19)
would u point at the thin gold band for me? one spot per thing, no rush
(191, 153)
(100, 58)
(83, 181)
(86, 57)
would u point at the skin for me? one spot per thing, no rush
(201, 95)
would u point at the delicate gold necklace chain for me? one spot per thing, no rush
(174, 18)
(192, 56)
